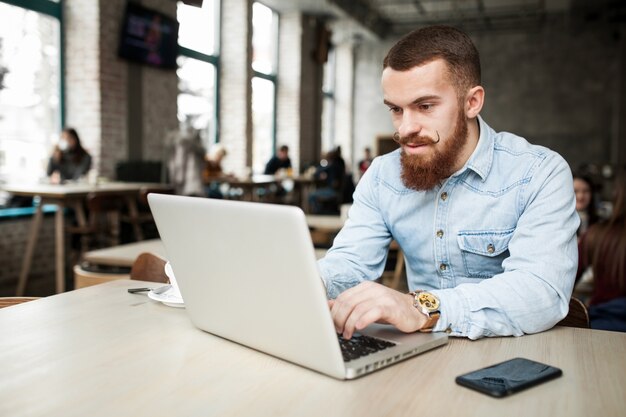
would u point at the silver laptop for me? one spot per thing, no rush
(248, 273)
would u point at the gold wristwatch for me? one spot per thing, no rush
(428, 304)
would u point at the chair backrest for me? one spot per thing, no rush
(101, 203)
(11, 301)
(577, 315)
(144, 191)
(149, 267)
(140, 171)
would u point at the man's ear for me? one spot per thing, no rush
(474, 101)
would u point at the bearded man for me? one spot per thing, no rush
(486, 221)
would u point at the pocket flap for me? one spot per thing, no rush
(485, 243)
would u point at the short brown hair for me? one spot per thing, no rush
(438, 42)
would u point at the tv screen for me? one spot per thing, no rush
(149, 37)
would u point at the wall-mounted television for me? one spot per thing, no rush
(149, 37)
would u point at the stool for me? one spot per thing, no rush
(84, 278)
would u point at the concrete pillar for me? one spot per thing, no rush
(236, 84)
(289, 83)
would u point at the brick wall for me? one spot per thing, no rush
(82, 69)
(311, 76)
(344, 92)
(97, 85)
(159, 100)
(113, 79)
(235, 79)
(13, 236)
(288, 94)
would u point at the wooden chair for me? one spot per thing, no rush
(577, 315)
(11, 301)
(149, 267)
(103, 224)
(85, 278)
(144, 217)
(394, 279)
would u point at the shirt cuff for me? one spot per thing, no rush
(453, 312)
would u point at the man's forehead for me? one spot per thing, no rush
(435, 66)
(425, 80)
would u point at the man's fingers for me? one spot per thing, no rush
(362, 316)
(343, 305)
(351, 305)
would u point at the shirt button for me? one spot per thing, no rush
(443, 267)
(439, 233)
(444, 196)
(491, 248)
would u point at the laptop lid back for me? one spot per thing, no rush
(247, 272)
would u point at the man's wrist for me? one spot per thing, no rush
(420, 318)
(427, 304)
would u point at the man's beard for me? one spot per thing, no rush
(423, 173)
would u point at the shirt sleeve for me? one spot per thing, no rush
(360, 249)
(52, 166)
(533, 292)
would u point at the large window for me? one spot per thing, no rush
(264, 64)
(328, 105)
(197, 68)
(30, 88)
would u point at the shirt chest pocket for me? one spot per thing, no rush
(484, 251)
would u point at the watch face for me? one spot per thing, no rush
(428, 301)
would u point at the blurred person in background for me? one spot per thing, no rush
(365, 162)
(69, 160)
(603, 248)
(585, 192)
(279, 161)
(330, 174)
(186, 162)
(213, 172)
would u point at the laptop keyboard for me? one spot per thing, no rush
(360, 345)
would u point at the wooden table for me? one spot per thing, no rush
(250, 185)
(125, 255)
(324, 223)
(69, 195)
(302, 187)
(100, 351)
(323, 228)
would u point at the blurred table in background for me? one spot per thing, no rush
(69, 195)
(250, 186)
(324, 228)
(125, 255)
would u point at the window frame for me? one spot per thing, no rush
(272, 77)
(210, 59)
(328, 93)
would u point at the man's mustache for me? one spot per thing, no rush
(415, 139)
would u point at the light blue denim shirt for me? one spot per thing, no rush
(496, 242)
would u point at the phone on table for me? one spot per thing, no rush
(508, 377)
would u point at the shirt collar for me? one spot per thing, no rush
(481, 159)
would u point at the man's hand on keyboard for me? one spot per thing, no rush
(369, 302)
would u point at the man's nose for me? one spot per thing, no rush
(409, 125)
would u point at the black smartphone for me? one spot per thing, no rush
(508, 377)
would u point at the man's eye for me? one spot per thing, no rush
(426, 106)
(395, 109)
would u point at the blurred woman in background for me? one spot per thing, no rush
(585, 191)
(603, 248)
(69, 160)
